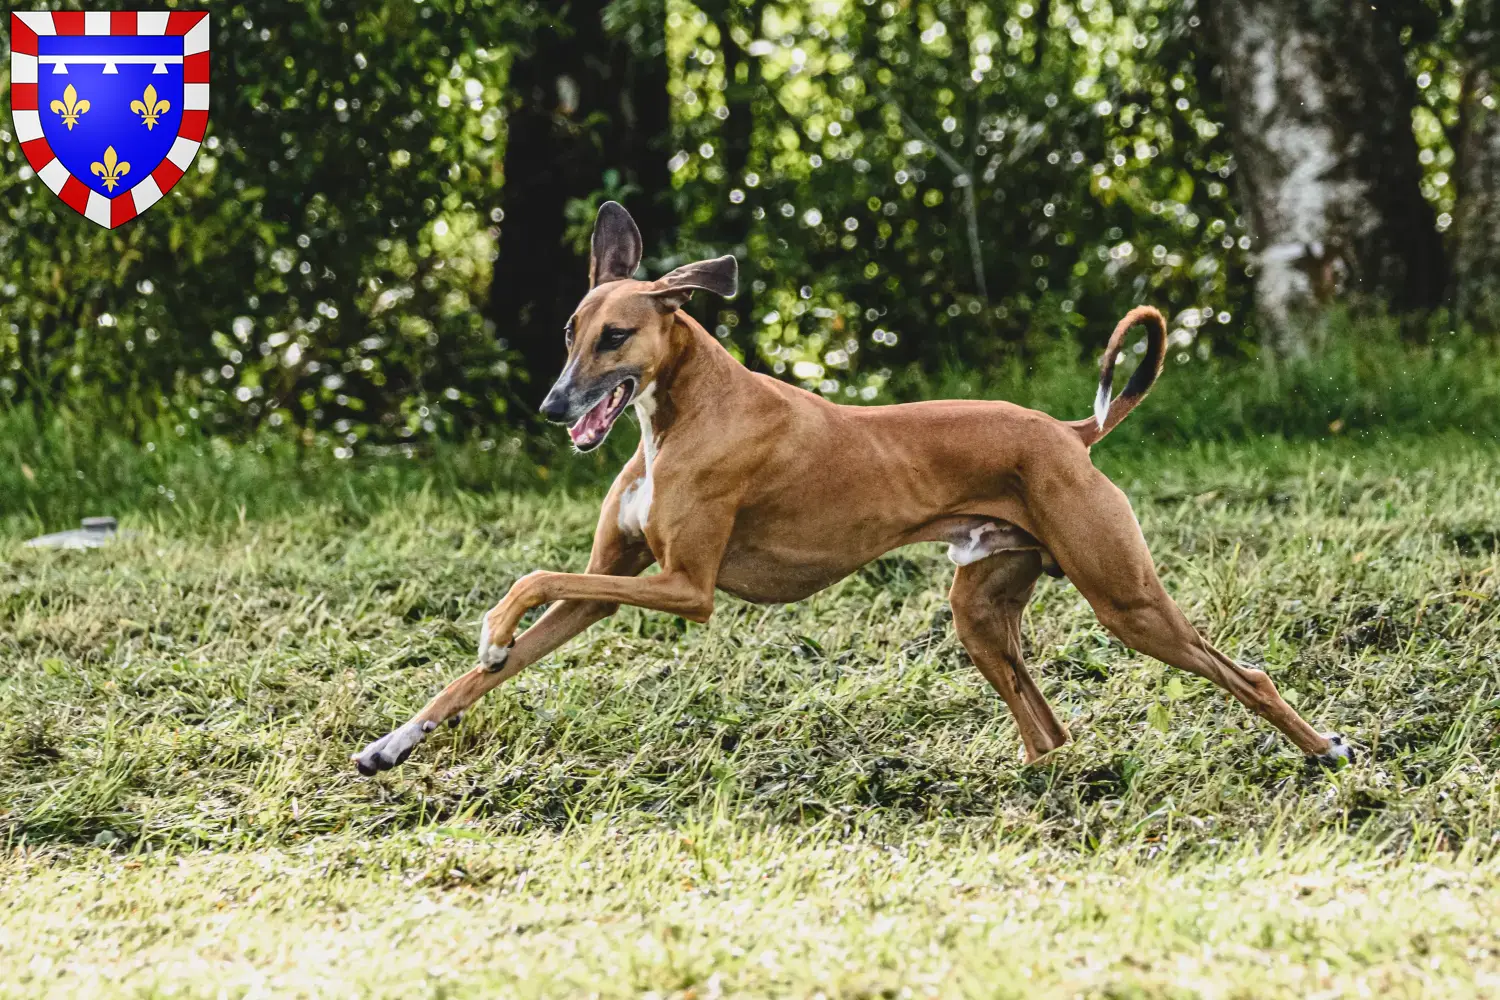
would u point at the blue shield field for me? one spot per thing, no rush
(110, 107)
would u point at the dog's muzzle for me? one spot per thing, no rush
(590, 415)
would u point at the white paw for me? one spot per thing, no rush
(1340, 753)
(494, 657)
(491, 657)
(393, 748)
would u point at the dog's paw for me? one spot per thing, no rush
(392, 749)
(1339, 755)
(492, 655)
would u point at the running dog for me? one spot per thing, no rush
(745, 484)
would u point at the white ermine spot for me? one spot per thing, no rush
(635, 502)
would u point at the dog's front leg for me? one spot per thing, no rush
(612, 554)
(561, 622)
(690, 551)
(690, 562)
(675, 592)
(583, 598)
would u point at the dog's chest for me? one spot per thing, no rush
(635, 502)
(635, 506)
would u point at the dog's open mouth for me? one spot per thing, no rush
(593, 427)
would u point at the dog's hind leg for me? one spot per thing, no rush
(1088, 526)
(988, 597)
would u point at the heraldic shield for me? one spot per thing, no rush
(109, 107)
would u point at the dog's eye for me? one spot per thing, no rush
(568, 333)
(613, 337)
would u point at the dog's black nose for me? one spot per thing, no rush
(554, 407)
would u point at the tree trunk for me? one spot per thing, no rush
(733, 222)
(1320, 116)
(1476, 172)
(586, 101)
(636, 140)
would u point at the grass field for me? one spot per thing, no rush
(822, 798)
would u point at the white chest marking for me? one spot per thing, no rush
(635, 503)
(975, 548)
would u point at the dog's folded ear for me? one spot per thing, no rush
(616, 245)
(720, 276)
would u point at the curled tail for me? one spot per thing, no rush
(1108, 413)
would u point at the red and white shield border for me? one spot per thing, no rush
(116, 211)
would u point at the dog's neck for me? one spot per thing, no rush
(693, 382)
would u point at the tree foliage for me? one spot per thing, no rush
(936, 181)
(909, 184)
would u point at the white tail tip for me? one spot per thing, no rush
(1101, 405)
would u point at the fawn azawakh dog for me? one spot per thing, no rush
(745, 484)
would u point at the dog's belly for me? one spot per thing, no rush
(768, 573)
(764, 577)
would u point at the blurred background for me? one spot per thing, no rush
(377, 247)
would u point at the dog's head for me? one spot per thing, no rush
(620, 336)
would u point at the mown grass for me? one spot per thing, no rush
(719, 910)
(825, 796)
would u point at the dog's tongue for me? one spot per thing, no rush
(593, 423)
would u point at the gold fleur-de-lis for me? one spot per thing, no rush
(150, 109)
(70, 107)
(111, 170)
